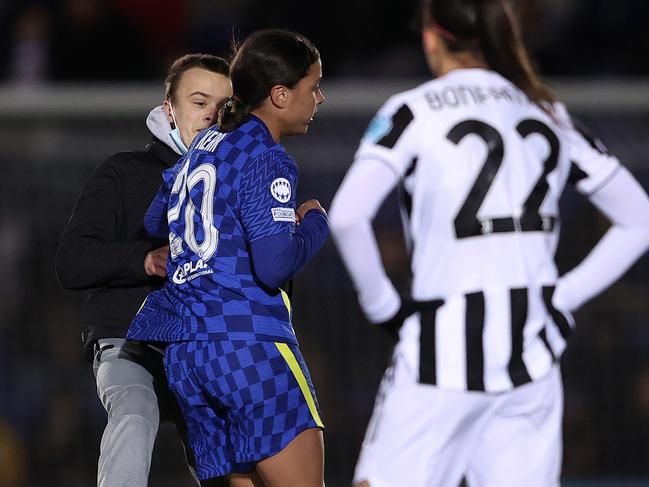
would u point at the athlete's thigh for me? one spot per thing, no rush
(522, 444)
(299, 464)
(419, 435)
(243, 480)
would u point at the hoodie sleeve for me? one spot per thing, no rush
(90, 254)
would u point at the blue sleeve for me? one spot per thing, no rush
(278, 258)
(267, 195)
(155, 219)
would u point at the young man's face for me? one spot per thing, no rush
(194, 103)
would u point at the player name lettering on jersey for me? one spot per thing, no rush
(454, 96)
(191, 270)
(210, 141)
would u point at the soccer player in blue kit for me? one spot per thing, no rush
(228, 208)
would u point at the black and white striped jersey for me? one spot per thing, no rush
(482, 169)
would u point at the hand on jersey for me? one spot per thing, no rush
(393, 325)
(305, 207)
(155, 262)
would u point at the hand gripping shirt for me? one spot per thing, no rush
(230, 190)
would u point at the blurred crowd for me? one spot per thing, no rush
(67, 40)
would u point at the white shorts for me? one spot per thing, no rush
(423, 436)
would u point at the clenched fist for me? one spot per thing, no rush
(306, 206)
(155, 262)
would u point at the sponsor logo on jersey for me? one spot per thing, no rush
(378, 128)
(191, 270)
(283, 214)
(280, 189)
(175, 245)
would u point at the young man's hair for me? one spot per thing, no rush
(188, 61)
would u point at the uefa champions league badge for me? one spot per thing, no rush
(280, 189)
(378, 128)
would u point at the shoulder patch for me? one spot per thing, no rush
(378, 128)
(400, 120)
(280, 189)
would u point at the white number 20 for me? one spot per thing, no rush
(184, 183)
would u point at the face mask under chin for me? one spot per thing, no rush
(175, 133)
(178, 141)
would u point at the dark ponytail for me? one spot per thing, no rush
(505, 52)
(266, 58)
(489, 28)
(231, 113)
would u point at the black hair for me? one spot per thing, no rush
(188, 61)
(266, 58)
(489, 28)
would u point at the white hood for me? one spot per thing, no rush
(160, 127)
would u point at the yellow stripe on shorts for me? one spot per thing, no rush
(301, 380)
(287, 301)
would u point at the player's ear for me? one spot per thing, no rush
(429, 40)
(279, 96)
(166, 106)
(433, 47)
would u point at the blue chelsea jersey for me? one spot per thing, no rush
(231, 189)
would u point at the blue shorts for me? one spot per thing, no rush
(243, 401)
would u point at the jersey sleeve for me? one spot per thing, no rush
(592, 165)
(155, 219)
(389, 137)
(353, 208)
(267, 195)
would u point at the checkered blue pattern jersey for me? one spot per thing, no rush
(229, 190)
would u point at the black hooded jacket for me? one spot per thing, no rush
(104, 245)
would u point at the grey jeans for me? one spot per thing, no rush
(126, 390)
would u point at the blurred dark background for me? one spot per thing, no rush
(78, 79)
(63, 40)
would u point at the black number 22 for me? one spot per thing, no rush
(466, 222)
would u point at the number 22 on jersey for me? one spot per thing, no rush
(467, 223)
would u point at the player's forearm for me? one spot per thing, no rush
(364, 188)
(615, 253)
(626, 204)
(377, 296)
(278, 258)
